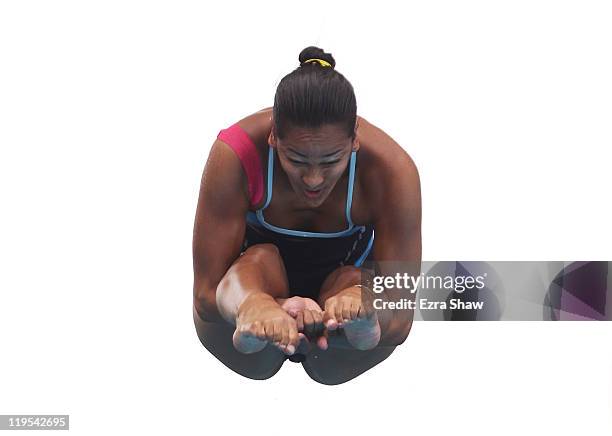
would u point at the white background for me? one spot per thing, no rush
(107, 113)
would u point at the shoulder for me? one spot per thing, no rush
(249, 152)
(387, 173)
(223, 179)
(258, 126)
(381, 152)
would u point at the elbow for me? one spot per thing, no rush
(397, 335)
(204, 302)
(401, 338)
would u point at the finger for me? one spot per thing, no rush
(310, 304)
(322, 341)
(318, 323)
(308, 323)
(299, 319)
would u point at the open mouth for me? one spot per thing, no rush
(313, 194)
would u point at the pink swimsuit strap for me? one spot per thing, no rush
(245, 149)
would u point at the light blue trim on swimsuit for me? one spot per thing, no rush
(349, 195)
(349, 201)
(270, 175)
(363, 256)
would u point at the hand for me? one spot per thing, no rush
(261, 320)
(309, 319)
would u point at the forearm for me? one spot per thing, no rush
(397, 322)
(394, 324)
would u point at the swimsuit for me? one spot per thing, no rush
(309, 257)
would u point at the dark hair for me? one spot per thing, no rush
(313, 95)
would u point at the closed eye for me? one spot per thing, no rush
(298, 162)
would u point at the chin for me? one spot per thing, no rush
(315, 202)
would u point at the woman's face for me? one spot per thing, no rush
(314, 159)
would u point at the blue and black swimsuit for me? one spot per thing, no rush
(309, 257)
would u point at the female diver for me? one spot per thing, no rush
(294, 202)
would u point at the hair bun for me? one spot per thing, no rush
(313, 52)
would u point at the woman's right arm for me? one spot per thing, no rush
(219, 228)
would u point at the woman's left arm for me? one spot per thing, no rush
(397, 243)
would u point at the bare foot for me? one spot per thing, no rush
(359, 321)
(261, 321)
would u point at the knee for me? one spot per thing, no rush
(346, 275)
(257, 374)
(264, 257)
(327, 378)
(262, 368)
(329, 381)
(349, 274)
(343, 277)
(262, 253)
(264, 264)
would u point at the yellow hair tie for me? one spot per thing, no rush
(320, 61)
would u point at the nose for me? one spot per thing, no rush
(313, 179)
